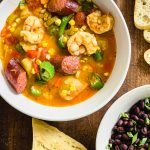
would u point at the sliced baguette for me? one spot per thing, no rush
(46, 137)
(147, 56)
(147, 35)
(142, 14)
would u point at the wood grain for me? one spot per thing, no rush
(15, 127)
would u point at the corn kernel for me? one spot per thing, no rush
(33, 71)
(22, 7)
(44, 44)
(43, 11)
(78, 74)
(48, 57)
(12, 29)
(76, 29)
(58, 22)
(45, 5)
(65, 39)
(18, 20)
(38, 62)
(106, 74)
(51, 51)
(83, 27)
(14, 24)
(72, 87)
(64, 92)
(72, 22)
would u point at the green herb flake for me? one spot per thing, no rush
(143, 141)
(134, 138)
(147, 103)
(109, 147)
(124, 115)
(130, 134)
(147, 121)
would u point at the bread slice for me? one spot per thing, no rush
(46, 137)
(147, 56)
(147, 35)
(142, 14)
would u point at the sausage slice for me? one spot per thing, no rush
(16, 75)
(62, 7)
(66, 64)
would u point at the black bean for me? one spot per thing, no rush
(144, 130)
(123, 147)
(117, 142)
(120, 122)
(119, 136)
(131, 147)
(137, 110)
(117, 147)
(141, 104)
(141, 121)
(120, 129)
(134, 117)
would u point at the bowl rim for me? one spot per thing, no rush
(88, 112)
(116, 103)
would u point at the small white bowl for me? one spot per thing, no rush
(94, 103)
(123, 104)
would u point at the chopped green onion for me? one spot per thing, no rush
(143, 141)
(87, 6)
(63, 25)
(134, 138)
(34, 91)
(53, 30)
(98, 56)
(47, 71)
(147, 103)
(95, 81)
(22, 3)
(20, 49)
(124, 115)
(130, 134)
(109, 147)
(147, 121)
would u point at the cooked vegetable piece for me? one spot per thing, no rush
(80, 18)
(47, 71)
(53, 30)
(98, 56)
(71, 87)
(32, 53)
(12, 18)
(33, 4)
(87, 6)
(20, 49)
(147, 103)
(66, 64)
(27, 65)
(63, 25)
(16, 75)
(35, 91)
(22, 3)
(95, 81)
(63, 7)
(43, 54)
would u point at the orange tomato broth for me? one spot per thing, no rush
(50, 90)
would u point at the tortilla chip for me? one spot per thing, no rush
(46, 137)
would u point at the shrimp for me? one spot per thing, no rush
(100, 23)
(33, 30)
(82, 43)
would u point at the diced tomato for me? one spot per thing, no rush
(11, 40)
(5, 31)
(32, 53)
(33, 4)
(43, 54)
(36, 67)
(15, 54)
(80, 18)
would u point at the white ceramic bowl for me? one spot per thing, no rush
(91, 105)
(123, 104)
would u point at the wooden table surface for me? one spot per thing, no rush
(15, 127)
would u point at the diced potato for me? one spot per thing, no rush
(71, 87)
(27, 65)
